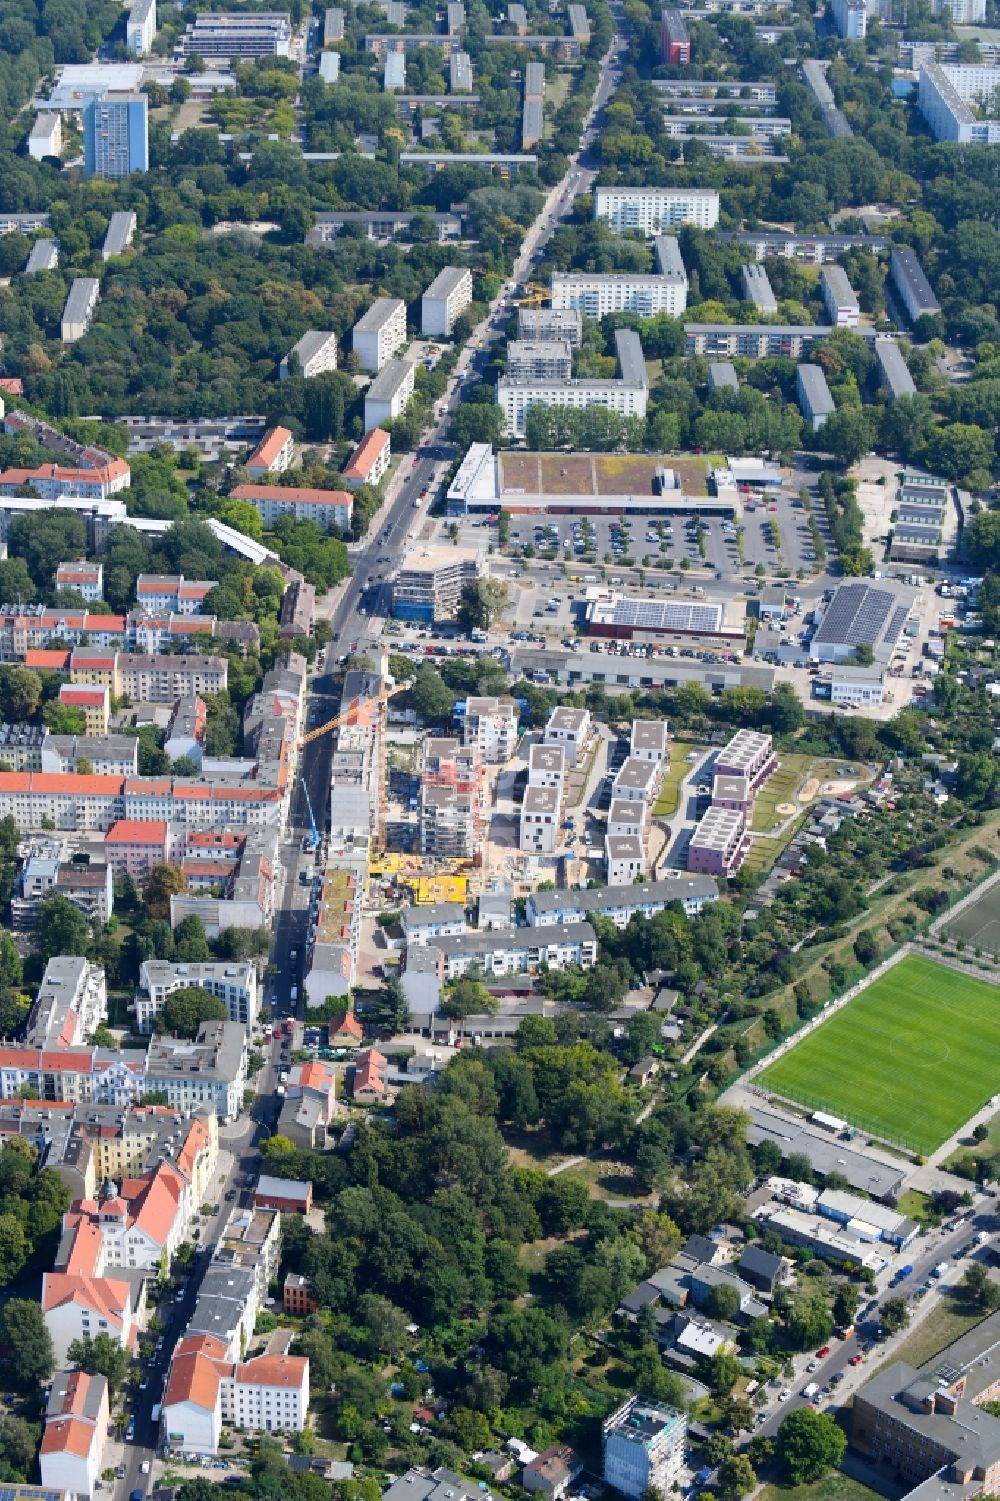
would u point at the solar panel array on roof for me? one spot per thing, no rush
(857, 613)
(896, 623)
(663, 615)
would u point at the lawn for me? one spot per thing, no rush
(909, 1059)
(987, 1148)
(941, 1327)
(666, 803)
(835, 1486)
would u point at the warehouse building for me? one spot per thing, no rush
(862, 612)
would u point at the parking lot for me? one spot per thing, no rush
(774, 533)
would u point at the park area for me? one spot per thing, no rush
(909, 1060)
(978, 926)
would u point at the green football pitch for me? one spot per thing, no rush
(910, 1059)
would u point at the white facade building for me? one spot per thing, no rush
(316, 353)
(945, 97)
(380, 332)
(597, 295)
(387, 396)
(447, 297)
(840, 298)
(654, 210)
(234, 983)
(539, 820)
(490, 724)
(46, 135)
(140, 28)
(643, 1446)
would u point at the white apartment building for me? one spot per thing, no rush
(140, 28)
(490, 724)
(547, 766)
(76, 1431)
(945, 96)
(569, 729)
(626, 816)
(380, 332)
(814, 395)
(546, 323)
(516, 398)
(316, 352)
(72, 1001)
(330, 509)
(620, 903)
(447, 297)
(962, 12)
(79, 308)
(516, 951)
(539, 823)
(851, 19)
(46, 135)
(539, 360)
(628, 394)
(840, 298)
(597, 295)
(624, 858)
(205, 1392)
(233, 983)
(757, 289)
(388, 395)
(650, 741)
(85, 579)
(643, 1446)
(655, 210)
(636, 780)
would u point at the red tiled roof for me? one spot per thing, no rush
(273, 1370)
(68, 1436)
(55, 783)
(362, 460)
(293, 493)
(137, 831)
(46, 658)
(269, 447)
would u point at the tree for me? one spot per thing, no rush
(28, 1344)
(467, 997)
(847, 434)
(14, 1248)
(64, 719)
(477, 422)
(959, 450)
(163, 882)
(390, 1011)
(18, 1445)
(102, 1356)
(60, 928)
(529, 1344)
(20, 694)
(483, 602)
(736, 1477)
(431, 697)
(723, 1302)
(809, 1443)
(894, 1315)
(978, 1288)
(185, 1010)
(724, 1372)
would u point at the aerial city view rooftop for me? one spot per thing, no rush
(499, 727)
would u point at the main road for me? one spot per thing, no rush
(406, 512)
